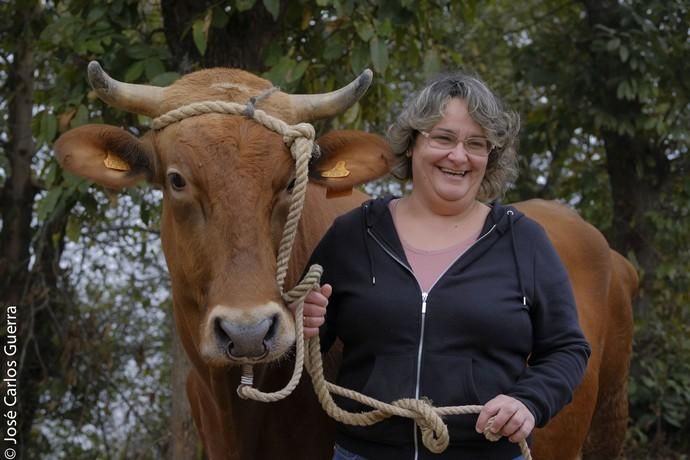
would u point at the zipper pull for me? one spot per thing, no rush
(424, 296)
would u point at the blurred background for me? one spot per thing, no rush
(602, 86)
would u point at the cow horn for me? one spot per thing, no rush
(140, 99)
(309, 107)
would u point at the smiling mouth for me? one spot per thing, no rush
(453, 172)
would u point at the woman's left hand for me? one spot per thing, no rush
(513, 419)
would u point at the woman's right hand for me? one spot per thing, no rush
(314, 310)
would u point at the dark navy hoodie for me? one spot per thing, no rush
(500, 320)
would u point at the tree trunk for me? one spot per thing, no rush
(240, 43)
(17, 207)
(185, 443)
(634, 194)
(28, 279)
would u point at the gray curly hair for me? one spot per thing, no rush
(427, 107)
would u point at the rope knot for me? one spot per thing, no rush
(298, 131)
(434, 432)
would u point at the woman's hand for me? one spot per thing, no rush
(513, 419)
(314, 310)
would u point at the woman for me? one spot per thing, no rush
(441, 295)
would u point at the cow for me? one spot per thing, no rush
(226, 182)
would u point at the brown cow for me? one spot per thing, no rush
(226, 182)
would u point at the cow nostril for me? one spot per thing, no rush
(271, 331)
(222, 335)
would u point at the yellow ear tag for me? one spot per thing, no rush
(339, 170)
(113, 161)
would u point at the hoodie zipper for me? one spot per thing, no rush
(421, 334)
(425, 295)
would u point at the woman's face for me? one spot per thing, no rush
(450, 175)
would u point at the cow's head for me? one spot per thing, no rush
(226, 184)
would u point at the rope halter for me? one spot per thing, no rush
(300, 139)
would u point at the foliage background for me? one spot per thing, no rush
(602, 88)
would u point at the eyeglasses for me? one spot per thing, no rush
(474, 145)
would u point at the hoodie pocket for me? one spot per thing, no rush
(392, 377)
(448, 380)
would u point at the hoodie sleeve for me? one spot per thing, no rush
(559, 351)
(324, 254)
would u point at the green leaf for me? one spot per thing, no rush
(432, 62)
(278, 72)
(80, 118)
(48, 126)
(73, 230)
(220, 18)
(365, 30)
(385, 28)
(244, 5)
(165, 78)
(135, 71)
(95, 13)
(352, 114)
(334, 48)
(359, 58)
(344, 7)
(200, 35)
(296, 72)
(153, 67)
(48, 203)
(273, 54)
(624, 53)
(94, 46)
(379, 54)
(50, 174)
(273, 7)
(613, 44)
(140, 52)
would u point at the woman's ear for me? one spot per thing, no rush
(107, 155)
(350, 158)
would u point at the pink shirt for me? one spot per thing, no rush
(428, 266)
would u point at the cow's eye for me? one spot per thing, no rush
(176, 180)
(291, 185)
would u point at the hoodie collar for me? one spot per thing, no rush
(379, 221)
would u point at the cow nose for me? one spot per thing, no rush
(245, 340)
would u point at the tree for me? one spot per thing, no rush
(607, 130)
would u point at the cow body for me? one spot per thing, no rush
(593, 425)
(226, 184)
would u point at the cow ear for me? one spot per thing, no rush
(350, 158)
(107, 155)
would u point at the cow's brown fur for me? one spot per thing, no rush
(220, 239)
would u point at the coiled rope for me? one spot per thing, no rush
(300, 139)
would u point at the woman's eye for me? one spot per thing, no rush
(176, 180)
(444, 140)
(475, 144)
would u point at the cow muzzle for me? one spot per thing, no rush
(254, 334)
(245, 340)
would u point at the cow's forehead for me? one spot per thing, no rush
(217, 145)
(231, 85)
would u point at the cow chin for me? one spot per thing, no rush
(246, 335)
